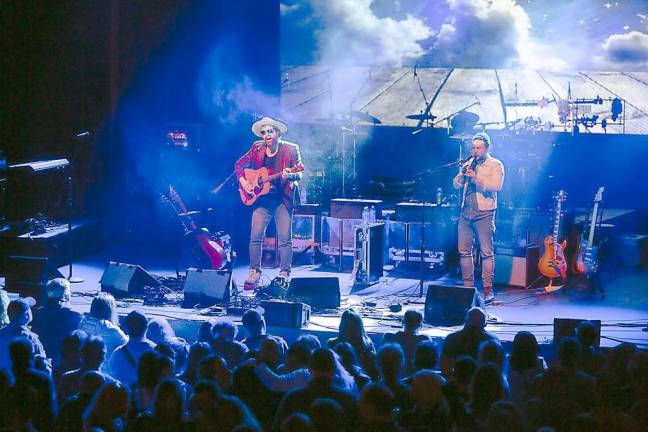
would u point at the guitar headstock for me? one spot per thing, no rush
(599, 194)
(173, 196)
(561, 196)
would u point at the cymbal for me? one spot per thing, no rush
(464, 120)
(421, 117)
(334, 121)
(364, 117)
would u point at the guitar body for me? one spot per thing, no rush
(553, 263)
(261, 179)
(587, 260)
(258, 178)
(208, 252)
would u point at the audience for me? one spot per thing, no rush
(55, 320)
(102, 321)
(123, 362)
(352, 330)
(154, 381)
(465, 341)
(408, 338)
(20, 315)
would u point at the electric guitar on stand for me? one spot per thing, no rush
(587, 257)
(260, 180)
(210, 251)
(553, 264)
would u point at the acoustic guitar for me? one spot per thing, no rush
(260, 179)
(211, 252)
(587, 257)
(553, 264)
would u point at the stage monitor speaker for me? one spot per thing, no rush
(566, 327)
(447, 305)
(27, 275)
(122, 279)
(207, 287)
(318, 292)
(279, 313)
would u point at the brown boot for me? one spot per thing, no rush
(489, 297)
(253, 280)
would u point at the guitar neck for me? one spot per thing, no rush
(590, 238)
(556, 227)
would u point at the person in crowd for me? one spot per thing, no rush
(504, 416)
(322, 368)
(197, 352)
(351, 364)
(55, 320)
(233, 414)
(102, 321)
(108, 410)
(93, 354)
(297, 422)
(72, 408)
(431, 411)
(122, 364)
(70, 358)
(153, 367)
(426, 356)
(20, 315)
(35, 387)
(205, 331)
(487, 387)
(327, 415)
(467, 340)
(160, 331)
(224, 343)
(167, 414)
(255, 326)
(377, 409)
(202, 414)
(591, 358)
(213, 367)
(352, 330)
(408, 338)
(390, 365)
(524, 365)
(4, 304)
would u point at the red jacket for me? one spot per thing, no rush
(289, 157)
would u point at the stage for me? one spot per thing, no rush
(623, 310)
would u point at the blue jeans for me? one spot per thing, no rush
(261, 217)
(480, 224)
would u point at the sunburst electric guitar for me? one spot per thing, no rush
(553, 263)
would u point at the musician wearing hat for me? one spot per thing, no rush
(481, 177)
(283, 162)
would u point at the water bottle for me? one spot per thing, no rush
(439, 196)
(365, 215)
(372, 214)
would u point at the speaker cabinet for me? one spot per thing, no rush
(566, 327)
(516, 266)
(447, 305)
(318, 292)
(207, 287)
(122, 279)
(27, 275)
(279, 313)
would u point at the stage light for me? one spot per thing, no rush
(617, 108)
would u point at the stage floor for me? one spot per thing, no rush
(623, 311)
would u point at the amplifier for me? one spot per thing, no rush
(516, 266)
(280, 313)
(352, 208)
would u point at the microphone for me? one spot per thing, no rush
(464, 160)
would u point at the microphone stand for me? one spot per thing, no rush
(421, 176)
(70, 205)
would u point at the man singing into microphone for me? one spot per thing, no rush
(278, 156)
(481, 177)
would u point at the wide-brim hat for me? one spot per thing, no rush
(257, 125)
